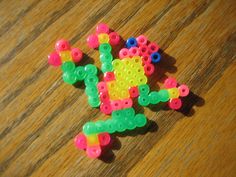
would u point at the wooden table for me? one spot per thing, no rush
(40, 115)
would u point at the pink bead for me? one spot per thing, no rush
(114, 38)
(143, 49)
(146, 59)
(54, 59)
(183, 90)
(116, 105)
(104, 97)
(76, 54)
(62, 45)
(80, 141)
(153, 47)
(106, 108)
(94, 151)
(92, 41)
(133, 92)
(124, 53)
(175, 103)
(102, 28)
(104, 139)
(170, 83)
(142, 40)
(102, 87)
(134, 51)
(149, 69)
(109, 76)
(127, 103)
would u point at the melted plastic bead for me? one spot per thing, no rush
(146, 59)
(68, 66)
(104, 97)
(109, 76)
(94, 151)
(105, 48)
(133, 91)
(102, 87)
(173, 93)
(154, 97)
(76, 54)
(140, 120)
(143, 100)
(183, 90)
(170, 83)
(92, 41)
(127, 103)
(103, 38)
(65, 56)
(91, 90)
(106, 57)
(130, 124)
(80, 141)
(92, 140)
(175, 103)
(163, 95)
(94, 101)
(107, 67)
(141, 40)
(143, 89)
(120, 126)
(129, 113)
(119, 114)
(116, 105)
(149, 69)
(111, 127)
(114, 38)
(106, 108)
(100, 126)
(69, 77)
(143, 49)
(124, 53)
(91, 80)
(62, 45)
(102, 28)
(131, 42)
(134, 51)
(89, 128)
(91, 69)
(153, 47)
(80, 73)
(54, 59)
(104, 139)
(155, 57)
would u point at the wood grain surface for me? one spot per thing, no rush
(40, 115)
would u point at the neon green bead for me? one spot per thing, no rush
(94, 101)
(104, 48)
(140, 120)
(101, 126)
(89, 128)
(143, 100)
(106, 67)
(129, 112)
(106, 57)
(91, 90)
(69, 77)
(120, 126)
(110, 126)
(80, 73)
(143, 89)
(91, 69)
(119, 114)
(68, 66)
(130, 124)
(154, 97)
(164, 95)
(91, 80)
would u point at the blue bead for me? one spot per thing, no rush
(156, 57)
(131, 42)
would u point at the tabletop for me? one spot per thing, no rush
(40, 114)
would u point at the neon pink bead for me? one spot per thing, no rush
(106, 108)
(116, 105)
(94, 151)
(62, 45)
(92, 41)
(109, 76)
(114, 38)
(54, 59)
(76, 54)
(104, 139)
(80, 141)
(146, 59)
(153, 47)
(175, 103)
(133, 92)
(134, 51)
(183, 90)
(104, 97)
(142, 40)
(149, 69)
(102, 87)
(143, 49)
(127, 103)
(102, 28)
(124, 53)
(170, 83)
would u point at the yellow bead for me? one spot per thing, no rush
(173, 93)
(142, 79)
(65, 56)
(103, 38)
(92, 140)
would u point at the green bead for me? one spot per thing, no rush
(143, 89)
(80, 73)
(91, 69)
(89, 128)
(154, 97)
(143, 100)
(117, 114)
(140, 120)
(101, 126)
(164, 95)
(68, 66)
(91, 90)
(110, 126)
(106, 67)
(104, 48)
(94, 101)
(106, 57)
(120, 126)
(91, 80)
(130, 124)
(69, 77)
(129, 112)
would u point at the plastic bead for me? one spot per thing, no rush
(104, 139)
(120, 126)
(69, 77)
(134, 51)
(143, 100)
(94, 151)
(100, 127)
(116, 105)
(119, 114)
(155, 57)
(141, 40)
(104, 97)
(130, 124)
(129, 113)
(80, 141)
(93, 101)
(65, 56)
(102, 28)
(91, 91)
(170, 83)
(175, 103)
(90, 69)
(89, 128)
(154, 97)
(92, 140)
(103, 38)
(106, 57)
(80, 73)
(109, 76)
(143, 49)
(146, 59)
(107, 67)
(173, 93)
(143, 89)
(153, 47)
(183, 90)
(54, 59)
(102, 87)
(91, 80)
(106, 108)
(76, 54)
(124, 53)
(104, 48)
(133, 91)
(62, 45)
(163, 95)
(127, 103)
(140, 120)
(92, 41)
(131, 42)
(111, 127)
(149, 69)
(114, 38)
(68, 66)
